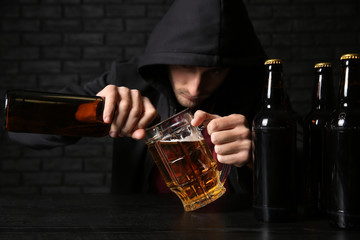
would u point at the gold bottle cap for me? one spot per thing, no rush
(323, 64)
(350, 56)
(273, 61)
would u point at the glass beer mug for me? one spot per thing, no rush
(186, 162)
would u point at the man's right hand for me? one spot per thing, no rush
(127, 110)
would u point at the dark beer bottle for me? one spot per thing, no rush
(274, 151)
(54, 113)
(343, 148)
(314, 127)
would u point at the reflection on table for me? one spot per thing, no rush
(107, 216)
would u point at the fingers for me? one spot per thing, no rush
(138, 134)
(225, 123)
(234, 153)
(109, 93)
(233, 146)
(230, 135)
(229, 129)
(149, 113)
(201, 117)
(123, 103)
(148, 117)
(127, 111)
(134, 108)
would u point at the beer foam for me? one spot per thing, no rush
(190, 138)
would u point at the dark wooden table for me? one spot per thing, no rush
(107, 216)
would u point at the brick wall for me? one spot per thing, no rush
(303, 32)
(46, 44)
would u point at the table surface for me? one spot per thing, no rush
(107, 216)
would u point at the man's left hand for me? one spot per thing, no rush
(230, 135)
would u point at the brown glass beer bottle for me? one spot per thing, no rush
(274, 151)
(343, 148)
(314, 126)
(54, 113)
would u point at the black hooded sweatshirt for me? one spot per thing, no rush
(207, 33)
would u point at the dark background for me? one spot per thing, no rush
(46, 44)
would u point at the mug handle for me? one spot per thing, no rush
(224, 172)
(224, 169)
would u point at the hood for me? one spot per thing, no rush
(207, 33)
(202, 33)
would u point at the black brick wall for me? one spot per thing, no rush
(46, 44)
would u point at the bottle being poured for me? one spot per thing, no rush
(54, 113)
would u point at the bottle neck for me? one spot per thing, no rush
(349, 94)
(323, 97)
(274, 96)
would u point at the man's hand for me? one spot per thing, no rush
(127, 111)
(230, 135)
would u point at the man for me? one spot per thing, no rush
(203, 55)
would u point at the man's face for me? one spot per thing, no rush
(193, 85)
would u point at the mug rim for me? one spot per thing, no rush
(168, 119)
(152, 133)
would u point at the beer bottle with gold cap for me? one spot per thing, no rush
(274, 151)
(343, 148)
(314, 125)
